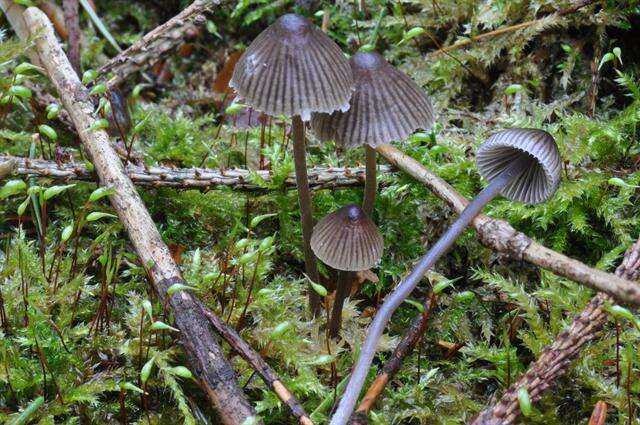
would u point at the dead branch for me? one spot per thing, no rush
(556, 358)
(403, 349)
(501, 237)
(191, 178)
(481, 37)
(202, 346)
(155, 44)
(260, 366)
(599, 414)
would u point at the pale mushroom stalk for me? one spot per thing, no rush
(512, 153)
(306, 213)
(370, 183)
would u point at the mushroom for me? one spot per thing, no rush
(522, 165)
(386, 106)
(293, 69)
(348, 241)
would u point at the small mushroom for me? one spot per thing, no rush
(348, 241)
(522, 165)
(386, 106)
(292, 68)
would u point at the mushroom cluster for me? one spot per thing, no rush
(293, 69)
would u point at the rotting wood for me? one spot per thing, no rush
(154, 45)
(501, 237)
(260, 366)
(557, 357)
(192, 178)
(206, 356)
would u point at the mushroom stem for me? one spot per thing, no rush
(370, 184)
(306, 215)
(397, 297)
(343, 288)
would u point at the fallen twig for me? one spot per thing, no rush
(155, 44)
(260, 366)
(599, 414)
(391, 367)
(191, 178)
(501, 237)
(556, 358)
(202, 345)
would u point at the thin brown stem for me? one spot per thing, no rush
(306, 213)
(343, 288)
(370, 181)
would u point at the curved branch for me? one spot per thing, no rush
(501, 237)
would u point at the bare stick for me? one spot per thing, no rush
(154, 45)
(557, 357)
(206, 355)
(501, 237)
(260, 366)
(599, 414)
(392, 366)
(190, 178)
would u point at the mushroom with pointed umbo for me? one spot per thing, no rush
(386, 106)
(348, 241)
(522, 165)
(293, 69)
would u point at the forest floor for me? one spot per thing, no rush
(85, 337)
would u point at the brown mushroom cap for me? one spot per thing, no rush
(347, 240)
(387, 105)
(292, 68)
(541, 180)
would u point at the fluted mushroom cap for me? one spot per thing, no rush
(387, 105)
(293, 68)
(347, 240)
(541, 180)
